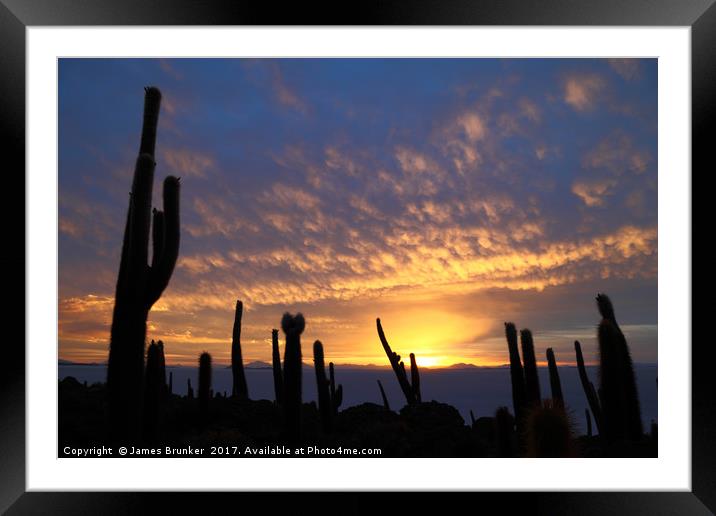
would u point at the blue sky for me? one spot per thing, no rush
(444, 195)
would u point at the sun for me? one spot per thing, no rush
(428, 361)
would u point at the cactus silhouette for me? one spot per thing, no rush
(554, 383)
(517, 377)
(171, 383)
(205, 391)
(140, 285)
(336, 393)
(292, 327)
(415, 378)
(621, 413)
(589, 422)
(277, 373)
(505, 430)
(189, 390)
(548, 432)
(152, 394)
(239, 388)
(399, 368)
(382, 395)
(588, 387)
(164, 391)
(530, 364)
(322, 385)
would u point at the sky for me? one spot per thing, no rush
(445, 196)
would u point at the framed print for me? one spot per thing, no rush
(435, 250)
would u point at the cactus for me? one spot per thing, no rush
(239, 388)
(162, 371)
(621, 413)
(171, 383)
(548, 432)
(277, 373)
(588, 387)
(399, 368)
(382, 394)
(415, 378)
(472, 419)
(505, 430)
(204, 383)
(140, 285)
(589, 422)
(336, 394)
(322, 384)
(292, 328)
(519, 396)
(189, 390)
(532, 389)
(554, 383)
(152, 394)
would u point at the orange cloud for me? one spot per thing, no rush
(581, 91)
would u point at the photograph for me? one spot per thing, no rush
(357, 257)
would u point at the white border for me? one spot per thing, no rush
(672, 470)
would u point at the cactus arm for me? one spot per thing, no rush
(204, 383)
(415, 378)
(338, 398)
(157, 237)
(162, 270)
(398, 366)
(588, 388)
(152, 101)
(382, 395)
(589, 422)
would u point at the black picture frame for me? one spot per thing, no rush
(17, 15)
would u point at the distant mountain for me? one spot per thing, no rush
(71, 363)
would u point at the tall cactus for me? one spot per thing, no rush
(205, 392)
(239, 389)
(322, 385)
(589, 391)
(140, 285)
(398, 367)
(162, 371)
(415, 378)
(517, 377)
(277, 373)
(534, 397)
(189, 390)
(620, 402)
(554, 382)
(292, 328)
(589, 422)
(336, 393)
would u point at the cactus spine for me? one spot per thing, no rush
(204, 383)
(554, 382)
(239, 389)
(322, 384)
(277, 373)
(292, 328)
(140, 285)
(620, 402)
(532, 389)
(398, 367)
(382, 394)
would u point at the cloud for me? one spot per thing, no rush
(582, 91)
(185, 162)
(628, 69)
(283, 92)
(592, 193)
(617, 154)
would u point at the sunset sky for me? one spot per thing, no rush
(445, 196)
